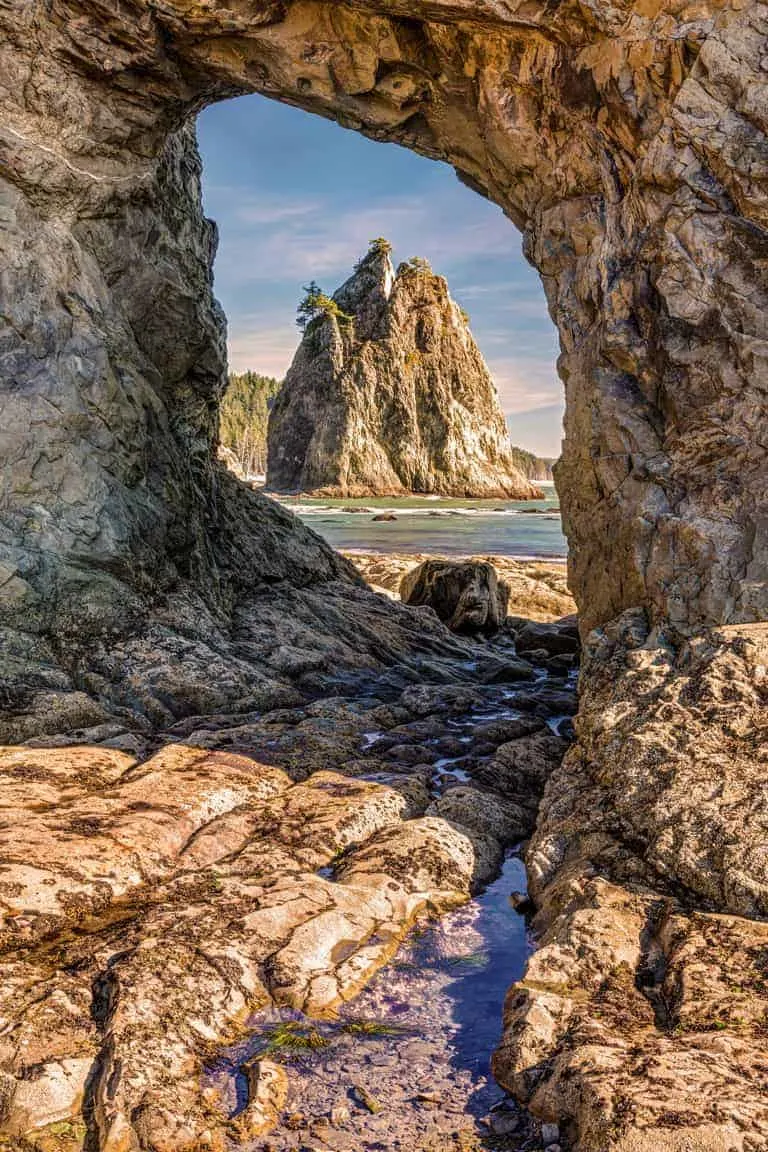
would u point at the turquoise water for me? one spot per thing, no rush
(518, 528)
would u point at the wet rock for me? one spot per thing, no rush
(503, 730)
(366, 1099)
(549, 701)
(384, 517)
(506, 671)
(411, 754)
(503, 1123)
(523, 765)
(483, 813)
(340, 1115)
(467, 596)
(427, 699)
(267, 1095)
(566, 729)
(550, 638)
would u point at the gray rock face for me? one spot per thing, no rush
(395, 399)
(113, 346)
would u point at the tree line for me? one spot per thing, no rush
(244, 416)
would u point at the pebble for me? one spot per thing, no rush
(520, 901)
(503, 1123)
(550, 1134)
(366, 1099)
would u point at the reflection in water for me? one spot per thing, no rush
(405, 1068)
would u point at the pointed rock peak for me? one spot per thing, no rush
(394, 397)
(371, 282)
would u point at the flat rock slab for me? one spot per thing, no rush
(182, 894)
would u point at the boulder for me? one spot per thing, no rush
(554, 639)
(468, 596)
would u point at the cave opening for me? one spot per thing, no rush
(153, 610)
(297, 201)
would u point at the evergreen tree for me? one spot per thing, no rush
(244, 416)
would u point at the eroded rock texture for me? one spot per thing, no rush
(642, 1016)
(623, 141)
(467, 595)
(147, 909)
(140, 584)
(391, 395)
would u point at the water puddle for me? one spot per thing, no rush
(406, 1066)
(446, 774)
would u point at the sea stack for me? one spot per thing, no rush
(388, 393)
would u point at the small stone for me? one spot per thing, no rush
(550, 1134)
(521, 903)
(340, 1114)
(552, 1148)
(366, 1099)
(503, 1123)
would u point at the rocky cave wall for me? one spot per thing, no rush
(625, 142)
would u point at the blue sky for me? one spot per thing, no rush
(298, 198)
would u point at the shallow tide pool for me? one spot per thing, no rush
(406, 1067)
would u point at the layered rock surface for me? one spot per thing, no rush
(641, 1021)
(148, 908)
(391, 395)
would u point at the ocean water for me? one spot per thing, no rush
(524, 529)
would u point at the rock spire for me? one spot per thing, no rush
(389, 393)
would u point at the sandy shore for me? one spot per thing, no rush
(538, 588)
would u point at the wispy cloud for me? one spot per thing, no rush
(269, 212)
(526, 383)
(540, 430)
(301, 238)
(267, 350)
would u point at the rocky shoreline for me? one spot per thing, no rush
(273, 856)
(150, 906)
(156, 893)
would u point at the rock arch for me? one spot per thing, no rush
(625, 144)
